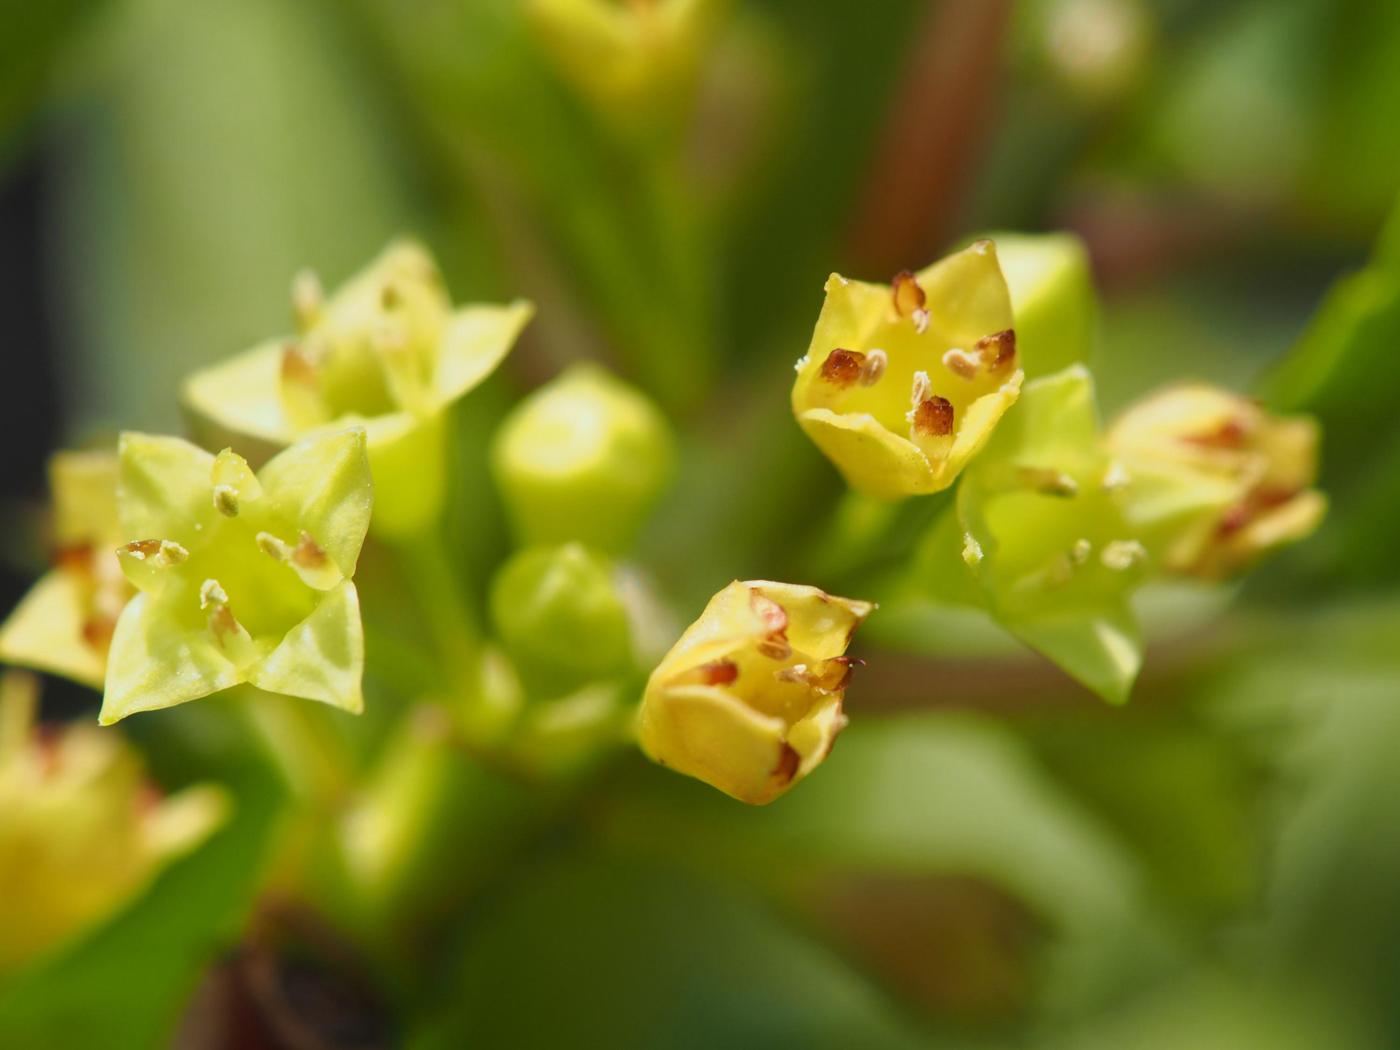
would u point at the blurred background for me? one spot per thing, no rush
(992, 857)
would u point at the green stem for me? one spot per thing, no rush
(445, 616)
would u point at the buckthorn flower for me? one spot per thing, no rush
(583, 458)
(65, 622)
(242, 577)
(749, 699)
(903, 384)
(387, 352)
(81, 830)
(1258, 466)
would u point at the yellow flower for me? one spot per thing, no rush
(81, 831)
(387, 352)
(65, 622)
(1251, 470)
(749, 699)
(902, 385)
(242, 577)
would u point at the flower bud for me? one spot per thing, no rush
(242, 577)
(561, 618)
(749, 699)
(583, 458)
(903, 384)
(388, 352)
(1242, 477)
(1052, 298)
(81, 830)
(65, 622)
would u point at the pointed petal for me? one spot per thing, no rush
(819, 625)
(870, 458)
(154, 663)
(322, 658)
(240, 396)
(1102, 651)
(967, 295)
(45, 631)
(322, 485)
(164, 488)
(477, 339)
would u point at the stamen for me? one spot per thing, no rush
(920, 391)
(998, 350)
(961, 363)
(211, 593)
(226, 500)
(876, 361)
(1120, 555)
(309, 554)
(933, 418)
(158, 554)
(774, 617)
(273, 547)
(908, 296)
(308, 297)
(716, 672)
(1080, 551)
(972, 550)
(843, 368)
(1115, 477)
(1049, 482)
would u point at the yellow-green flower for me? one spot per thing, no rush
(81, 830)
(628, 56)
(903, 384)
(749, 699)
(65, 622)
(584, 458)
(387, 352)
(1260, 468)
(242, 577)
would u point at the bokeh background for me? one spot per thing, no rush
(992, 857)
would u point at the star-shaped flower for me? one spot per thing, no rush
(242, 577)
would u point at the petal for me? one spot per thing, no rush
(407, 458)
(871, 459)
(164, 489)
(239, 397)
(84, 487)
(813, 736)
(1055, 424)
(322, 485)
(155, 663)
(1100, 650)
(966, 294)
(705, 733)
(183, 820)
(322, 658)
(978, 423)
(1052, 296)
(45, 631)
(819, 625)
(727, 624)
(477, 339)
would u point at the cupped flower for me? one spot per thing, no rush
(64, 624)
(242, 577)
(1260, 467)
(81, 829)
(903, 384)
(387, 352)
(749, 699)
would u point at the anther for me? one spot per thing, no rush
(226, 500)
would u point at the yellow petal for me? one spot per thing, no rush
(46, 631)
(322, 658)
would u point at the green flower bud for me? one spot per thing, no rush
(583, 458)
(561, 618)
(903, 385)
(749, 699)
(1052, 298)
(628, 58)
(242, 577)
(81, 830)
(387, 352)
(64, 624)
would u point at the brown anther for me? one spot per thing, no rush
(1268, 498)
(1049, 482)
(716, 672)
(908, 296)
(774, 617)
(75, 557)
(788, 764)
(842, 368)
(832, 676)
(142, 549)
(1233, 433)
(998, 349)
(222, 622)
(98, 630)
(297, 367)
(1234, 519)
(934, 417)
(308, 553)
